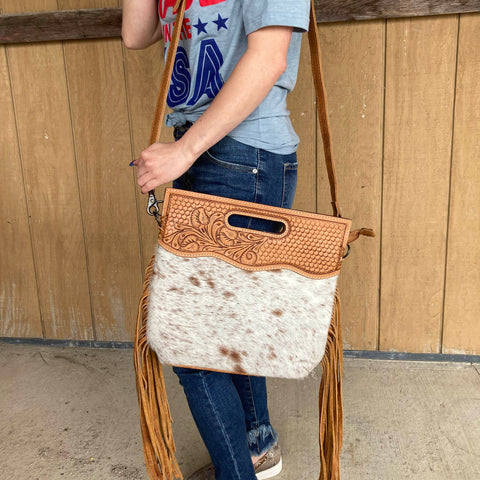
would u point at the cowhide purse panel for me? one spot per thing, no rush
(205, 313)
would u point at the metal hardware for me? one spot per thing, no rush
(347, 253)
(152, 206)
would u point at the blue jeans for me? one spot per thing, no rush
(231, 410)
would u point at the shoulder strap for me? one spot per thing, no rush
(167, 73)
(322, 111)
(319, 89)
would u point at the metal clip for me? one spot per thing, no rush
(152, 206)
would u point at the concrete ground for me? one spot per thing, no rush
(72, 413)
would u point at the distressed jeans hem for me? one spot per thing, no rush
(261, 439)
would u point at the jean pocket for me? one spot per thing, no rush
(290, 171)
(233, 155)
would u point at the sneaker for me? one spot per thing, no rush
(270, 464)
(267, 467)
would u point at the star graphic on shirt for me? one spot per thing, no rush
(201, 27)
(221, 23)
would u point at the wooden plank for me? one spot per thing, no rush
(462, 300)
(19, 308)
(302, 110)
(96, 85)
(44, 129)
(420, 77)
(353, 59)
(103, 23)
(335, 11)
(143, 69)
(57, 25)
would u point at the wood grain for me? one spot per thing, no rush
(462, 300)
(19, 308)
(334, 11)
(97, 96)
(418, 205)
(103, 23)
(45, 137)
(303, 114)
(420, 79)
(353, 59)
(57, 25)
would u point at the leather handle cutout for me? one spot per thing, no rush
(270, 225)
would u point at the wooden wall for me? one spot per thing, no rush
(405, 115)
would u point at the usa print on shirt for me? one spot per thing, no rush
(204, 25)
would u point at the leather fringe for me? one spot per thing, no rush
(155, 417)
(330, 400)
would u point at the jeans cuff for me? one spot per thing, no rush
(261, 439)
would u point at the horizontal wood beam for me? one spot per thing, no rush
(60, 25)
(106, 22)
(335, 11)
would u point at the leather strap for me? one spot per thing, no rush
(322, 111)
(317, 73)
(167, 73)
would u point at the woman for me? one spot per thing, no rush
(235, 63)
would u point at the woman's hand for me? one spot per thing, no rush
(161, 163)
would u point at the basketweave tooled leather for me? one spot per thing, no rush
(196, 224)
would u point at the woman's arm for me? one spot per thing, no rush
(252, 78)
(140, 24)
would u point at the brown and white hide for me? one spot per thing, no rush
(206, 313)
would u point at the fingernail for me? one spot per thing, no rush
(131, 164)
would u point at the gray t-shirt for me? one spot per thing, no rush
(214, 37)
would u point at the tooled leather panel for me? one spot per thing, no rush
(195, 224)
